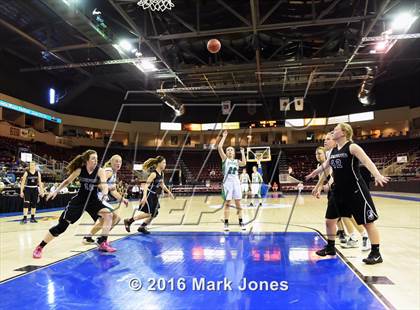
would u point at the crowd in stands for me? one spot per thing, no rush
(198, 168)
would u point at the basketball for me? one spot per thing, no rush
(213, 46)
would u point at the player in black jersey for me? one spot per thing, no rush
(111, 167)
(91, 177)
(149, 205)
(352, 197)
(30, 187)
(332, 211)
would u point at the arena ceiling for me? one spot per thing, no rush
(270, 49)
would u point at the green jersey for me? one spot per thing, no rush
(256, 178)
(244, 177)
(230, 167)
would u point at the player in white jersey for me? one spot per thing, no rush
(231, 183)
(111, 168)
(245, 180)
(257, 181)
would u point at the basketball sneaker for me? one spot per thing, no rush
(226, 227)
(88, 240)
(326, 251)
(37, 253)
(24, 221)
(33, 220)
(365, 244)
(127, 225)
(106, 247)
(143, 230)
(242, 225)
(342, 236)
(373, 258)
(351, 243)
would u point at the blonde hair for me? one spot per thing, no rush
(79, 161)
(152, 162)
(29, 165)
(347, 130)
(108, 164)
(322, 149)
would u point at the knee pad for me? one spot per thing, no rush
(59, 228)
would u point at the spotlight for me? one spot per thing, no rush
(381, 45)
(125, 45)
(71, 2)
(52, 96)
(363, 97)
(146, 65)
(96, 12)
(171, 102)
(365, 94)
(403, 21)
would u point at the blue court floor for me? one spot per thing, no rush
(181, 270)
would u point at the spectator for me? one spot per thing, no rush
(275, 187)
(53, 188)
(11, 177)
(135, 191)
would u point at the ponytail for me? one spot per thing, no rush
(79, 161)
(152, 162)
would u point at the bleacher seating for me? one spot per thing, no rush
(302, 160)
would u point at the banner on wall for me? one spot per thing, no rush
(24, 133)
(402, 159)
(27, 133)
(14, 131)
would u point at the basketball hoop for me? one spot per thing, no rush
(258, 154)
(156, 5)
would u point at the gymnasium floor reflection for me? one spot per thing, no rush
(195, 270)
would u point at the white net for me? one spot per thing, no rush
(156, 5)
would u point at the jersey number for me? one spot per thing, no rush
(232, 170)
(89, 186)
(336, 164)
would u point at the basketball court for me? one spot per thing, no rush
(76, 275)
